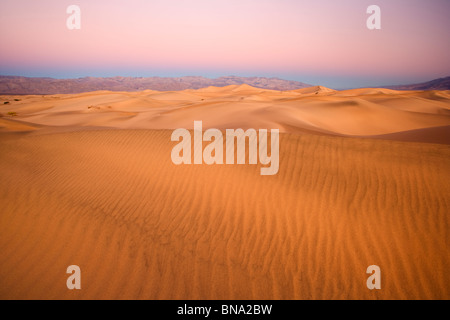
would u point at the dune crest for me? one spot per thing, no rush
(315, 90)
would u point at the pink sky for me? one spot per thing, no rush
(320, 42)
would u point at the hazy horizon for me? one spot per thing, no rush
(316, 42)
(222, 76)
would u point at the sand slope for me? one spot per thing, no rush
(87, 179)
(112, 202)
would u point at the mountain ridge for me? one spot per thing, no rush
(435, 84)
(46, 85)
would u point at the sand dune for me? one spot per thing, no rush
(77, 190)
(315, 90)
(358, 112)
(366, 91)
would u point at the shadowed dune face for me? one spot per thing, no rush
(76, 190)
(112, 202)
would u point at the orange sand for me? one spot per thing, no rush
(76, 190)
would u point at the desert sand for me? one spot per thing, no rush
(364, 179)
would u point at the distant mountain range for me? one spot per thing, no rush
(437, 84)
(25, 85)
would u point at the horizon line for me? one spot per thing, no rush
(219, 77)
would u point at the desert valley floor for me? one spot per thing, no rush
(87, 179)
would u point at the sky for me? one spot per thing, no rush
(321, 42)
